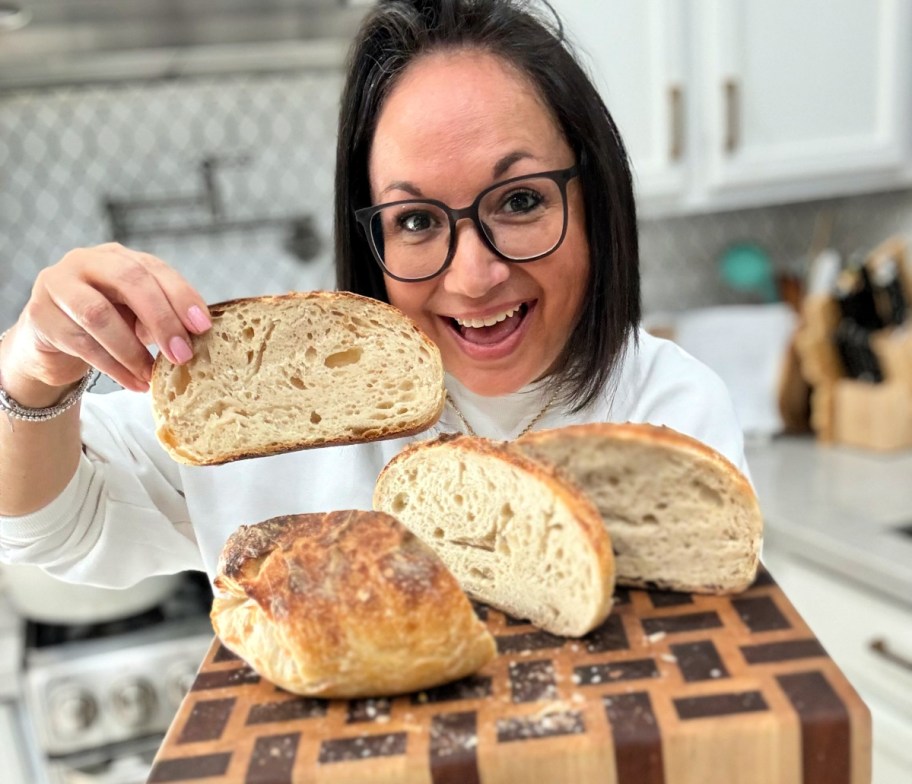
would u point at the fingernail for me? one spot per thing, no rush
(198, 319)
(180, 350)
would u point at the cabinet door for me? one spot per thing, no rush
(634, 50)
(802, 91)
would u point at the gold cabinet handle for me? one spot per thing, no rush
(880, 647)
(676, 121)
(732, 116)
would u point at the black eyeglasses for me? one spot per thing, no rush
(520, 219)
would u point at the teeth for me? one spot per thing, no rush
(490, 321)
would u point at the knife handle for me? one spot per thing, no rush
(882, 649)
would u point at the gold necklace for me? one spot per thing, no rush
(525, 430)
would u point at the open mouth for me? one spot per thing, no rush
(491, 329)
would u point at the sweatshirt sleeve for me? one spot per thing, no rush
(122, 517)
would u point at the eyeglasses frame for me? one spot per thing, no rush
(561, 177)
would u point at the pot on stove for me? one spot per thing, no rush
(38, 596)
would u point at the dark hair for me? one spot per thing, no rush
(397, 32)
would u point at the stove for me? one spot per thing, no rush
(98, 698)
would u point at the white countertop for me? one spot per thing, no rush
(840, 507)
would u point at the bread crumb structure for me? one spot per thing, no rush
(275, 374)
(514, 534)
(680, 515)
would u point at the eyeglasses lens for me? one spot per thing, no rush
(522, 219)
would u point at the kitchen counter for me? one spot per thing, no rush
(846, 509)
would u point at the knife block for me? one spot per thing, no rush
(847, 411)
(872, 416)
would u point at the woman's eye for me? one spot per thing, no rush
(521, 201)
(415, 221)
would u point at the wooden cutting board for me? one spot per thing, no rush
(672, 689)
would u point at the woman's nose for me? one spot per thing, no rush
(475, 268)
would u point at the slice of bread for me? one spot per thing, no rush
(275, 374)
(515, 536)
(680, 515)
(345, 604)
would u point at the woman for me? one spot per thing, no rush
(482, 188)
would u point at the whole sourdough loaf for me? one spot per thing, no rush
(680, 515)
(275, 374)
(344, 604)
(515, 536)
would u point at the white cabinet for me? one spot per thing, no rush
(726, 103)
(802, 90)
(634, 50)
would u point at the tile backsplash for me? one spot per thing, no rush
(680, 255)
(66, 152)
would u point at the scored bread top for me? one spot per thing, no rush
(288, 563)
(346, 603)
(300, 370)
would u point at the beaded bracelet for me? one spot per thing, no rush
(16, 411)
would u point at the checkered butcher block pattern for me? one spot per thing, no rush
(671, 689)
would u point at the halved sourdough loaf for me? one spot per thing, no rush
(344, 604)
(680, 515)
(275, 374)
(515, 535)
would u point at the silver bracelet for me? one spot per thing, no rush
(16, 411)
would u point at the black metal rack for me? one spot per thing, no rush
(203, 213)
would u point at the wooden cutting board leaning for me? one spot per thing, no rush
(672, 689)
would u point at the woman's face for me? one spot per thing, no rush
(454, 124)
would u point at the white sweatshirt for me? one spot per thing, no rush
(131, 512)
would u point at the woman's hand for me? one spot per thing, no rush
(100, 307)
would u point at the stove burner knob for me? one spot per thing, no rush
(180, 680)
(72, 711)
(134, 701)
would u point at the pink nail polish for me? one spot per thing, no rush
(198, 319)
(180, 351)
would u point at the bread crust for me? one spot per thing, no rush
(172, 443)
(579, 504)
(645, 433)
(345, 604)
